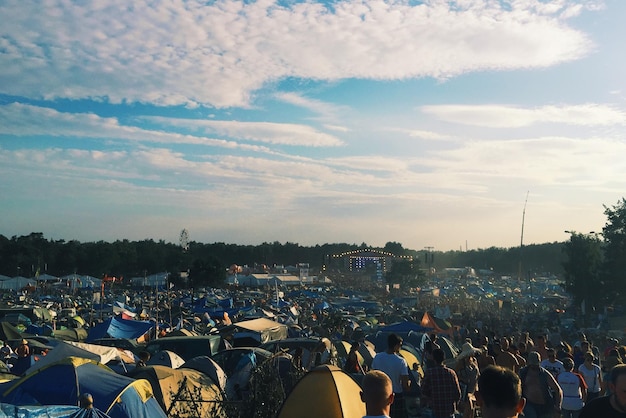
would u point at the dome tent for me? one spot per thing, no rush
(208, 366)
(166, 358)
(325, 391)
(181, 390)
(62, 383)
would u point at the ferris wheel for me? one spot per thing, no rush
(184, 239)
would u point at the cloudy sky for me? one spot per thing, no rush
(427, 123)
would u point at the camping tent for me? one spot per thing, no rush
(64, 349)
(439, 326)
(9, 332)
(261, 330)
(181, 391)
(405, 326)
(71, 334)
(166, 358)
(63, 382)
(325, 391)
(208, 366)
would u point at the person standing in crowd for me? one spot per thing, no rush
(613, 405)
(593, 376)
(467, 372)
(440, 387)
(504, 357)
(23, 350)
(574, 390)
(551, 364)
(499, 393)
(352, 362)
(543, 394)
(377, 393)
(392, 364)
(540, 346)
(485, 359)
(563, 351)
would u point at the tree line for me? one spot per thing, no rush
(33, 254)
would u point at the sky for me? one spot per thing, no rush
(446, 124)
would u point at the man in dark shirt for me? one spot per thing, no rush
(440, 387)
(613, 405)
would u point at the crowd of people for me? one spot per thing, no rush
(503, 377)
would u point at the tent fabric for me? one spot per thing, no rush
(54, 411)
(63, 382)
(65, 349)
(120, 328)
(325, 391)
(440, 327)
(9, 332)
(209, 367)
(166, 358)
(405, 326)
(176, 389)
(266, 329)
(71, 334)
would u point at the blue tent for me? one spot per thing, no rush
(63, 382)
(404, 326)
(119, 328)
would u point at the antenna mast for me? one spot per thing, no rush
(521, 243)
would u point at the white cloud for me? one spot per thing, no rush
(219, 53)
(505, 116)
(273, 133)
(24, 120)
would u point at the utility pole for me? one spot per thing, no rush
(429, 258)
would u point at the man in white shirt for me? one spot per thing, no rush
(394, 366)
(551, 364)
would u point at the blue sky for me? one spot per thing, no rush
(424, 123)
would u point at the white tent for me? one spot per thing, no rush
(66, 349)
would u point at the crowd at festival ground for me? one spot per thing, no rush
(561, 371)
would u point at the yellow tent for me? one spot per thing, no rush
(410, 360)
(325, 391)
(343, 348)
(182, 392)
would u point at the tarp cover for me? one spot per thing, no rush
(119, 328)
(267, 329)
(66, 349)
(54, 411)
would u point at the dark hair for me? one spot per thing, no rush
(438, 355)
(393, 340)
(499, 387)
(568, 364)
(616, 372)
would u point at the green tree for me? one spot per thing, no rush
(207, 271)
(582, 266)
(394, 248)
(614, 265)
(407, 273)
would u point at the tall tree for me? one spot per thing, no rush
(582, 278)
(406, 272)
(614, 266)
